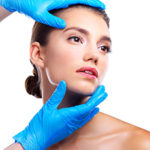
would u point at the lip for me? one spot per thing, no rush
(88, 68)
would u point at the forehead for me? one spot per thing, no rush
(84, 18)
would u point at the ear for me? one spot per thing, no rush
(36, 54)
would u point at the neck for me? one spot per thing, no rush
(70, 99)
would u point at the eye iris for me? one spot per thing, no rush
(104, 48)
(76, 39)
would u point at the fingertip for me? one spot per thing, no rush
(96, 110)
(51, 20)
(100, 88)
(60, 23)
(106, 94)
(102, 6)
(58, 94)
(93, 113)
(62, 85)
(102, 97)
(97, 3)
(63, 82)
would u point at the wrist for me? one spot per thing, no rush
(14, 146)
(27, 140)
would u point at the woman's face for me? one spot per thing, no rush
(84, 42)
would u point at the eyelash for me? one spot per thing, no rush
(108, 50)
(73, 37)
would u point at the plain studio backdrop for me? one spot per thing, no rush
(127, 80)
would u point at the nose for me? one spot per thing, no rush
(91, 54)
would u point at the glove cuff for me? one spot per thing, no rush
(26, 140)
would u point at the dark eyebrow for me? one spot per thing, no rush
(78, 29)
(104, 38)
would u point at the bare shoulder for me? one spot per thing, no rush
(134, 138)
(139, 139)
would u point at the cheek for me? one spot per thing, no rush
(59, 62)
(103, 65)
(64, 58)
(62, 53)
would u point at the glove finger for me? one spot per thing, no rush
(84, 109)
(89, 117)
(93, 3)
(97, 94)
(51, 20)
(96, 101)
(76, 123)
(96, 3)
(57, 96)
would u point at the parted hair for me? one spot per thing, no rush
(40, 34)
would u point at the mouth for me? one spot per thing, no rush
(88, 71)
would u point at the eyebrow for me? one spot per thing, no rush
(84, 31)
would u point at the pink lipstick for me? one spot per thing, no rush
(88, 72)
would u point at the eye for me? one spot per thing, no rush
(106, 49)
(75, 39)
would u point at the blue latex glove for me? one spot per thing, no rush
(38, 9)
(51, 125)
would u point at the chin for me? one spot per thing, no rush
(85, 88)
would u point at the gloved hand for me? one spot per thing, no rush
(38, 9)
(51, 125)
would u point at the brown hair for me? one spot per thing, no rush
(40, 33)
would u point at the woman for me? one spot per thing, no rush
(61, 55)
(83, 115)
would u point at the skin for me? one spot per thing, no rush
(4, 13)
(60, 59)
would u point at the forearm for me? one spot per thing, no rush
(4, 13)
(15, 146)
